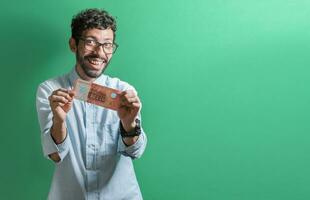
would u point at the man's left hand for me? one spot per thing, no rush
(129, 109)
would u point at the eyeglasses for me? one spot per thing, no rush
(92, 45)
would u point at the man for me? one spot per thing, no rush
(92, 146)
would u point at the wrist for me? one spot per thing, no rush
(58, 131)
(58, 121)
(129, 126)
(128, 141)
(134, 129)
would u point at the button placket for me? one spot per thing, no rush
(90, 140)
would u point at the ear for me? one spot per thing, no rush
(72, 44)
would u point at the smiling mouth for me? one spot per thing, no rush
(96, 61)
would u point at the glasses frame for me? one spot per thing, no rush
(98, 44)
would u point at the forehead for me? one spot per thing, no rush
(98, 34)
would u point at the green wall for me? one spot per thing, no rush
(224, 86)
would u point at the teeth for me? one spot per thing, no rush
(95, 61)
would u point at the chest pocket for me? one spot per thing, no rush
(108, 131)
(111, 137)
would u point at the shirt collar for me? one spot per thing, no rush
(73, 76)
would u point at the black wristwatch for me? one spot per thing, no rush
(135, 132)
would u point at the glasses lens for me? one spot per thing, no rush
(92, 45)
(109, 48)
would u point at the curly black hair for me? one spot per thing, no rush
(91, 18)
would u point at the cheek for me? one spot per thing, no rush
(80, 56)
(81, 52)
(109, 57)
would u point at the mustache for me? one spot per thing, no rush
(95, 57)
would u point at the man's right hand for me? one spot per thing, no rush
(60, 103)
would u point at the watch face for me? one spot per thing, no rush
(137, 123)
(135, 132)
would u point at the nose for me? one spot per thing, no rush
(100, 51)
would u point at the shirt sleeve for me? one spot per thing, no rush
(135, 150)
(45, 120)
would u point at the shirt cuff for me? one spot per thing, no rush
(132, 150)
(49, 146)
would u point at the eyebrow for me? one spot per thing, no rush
(92, 37)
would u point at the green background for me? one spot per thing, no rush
(224, 86)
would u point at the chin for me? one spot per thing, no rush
(94, 73)
(91, 71)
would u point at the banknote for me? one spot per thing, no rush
(97, 94)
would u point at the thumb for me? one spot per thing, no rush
(67, 107)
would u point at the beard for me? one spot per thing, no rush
(83, 62)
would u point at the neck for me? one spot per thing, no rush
(82, 75)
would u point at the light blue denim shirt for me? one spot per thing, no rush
(95, 163)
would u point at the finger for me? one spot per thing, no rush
(124, 103)
(55, 98)
(57, 104)
(129, 97)
(136, 105)
(128, 102)
(132, 104)
(61, 92)
(67, 107)
(64, 94)
(72, 93)
(61, 104)
(132, 92)
(129, 92)
(133, 100)
(62, 89)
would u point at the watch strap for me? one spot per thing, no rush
(135, 132)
